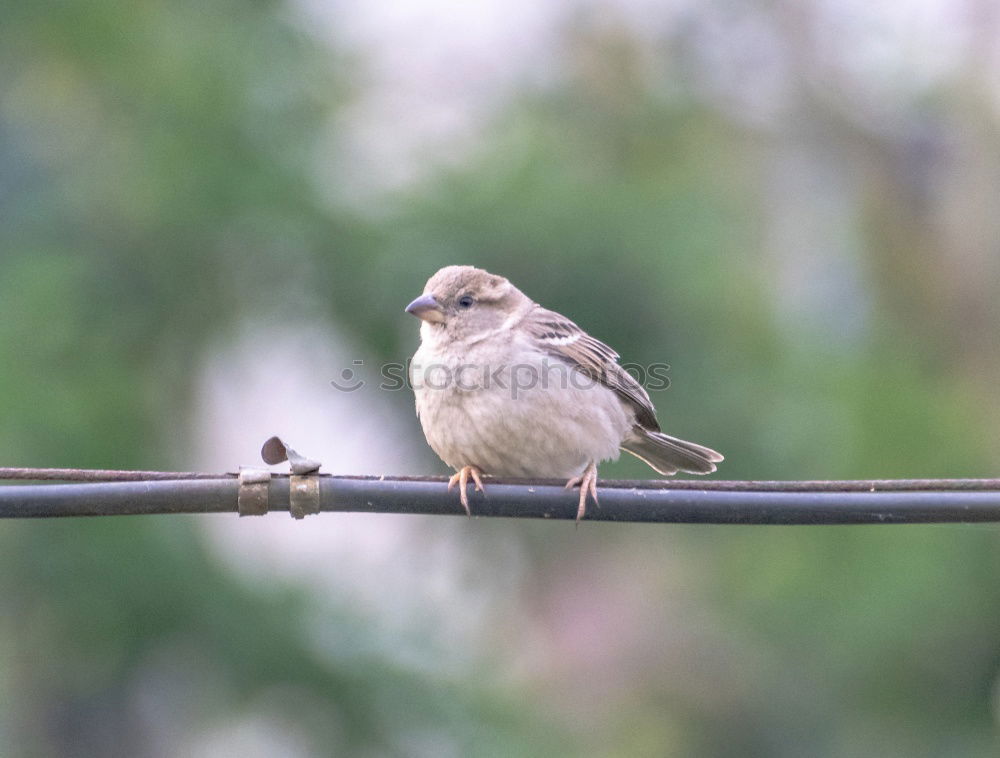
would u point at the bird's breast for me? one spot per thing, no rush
(520, 418)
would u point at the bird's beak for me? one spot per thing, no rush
(427, 308)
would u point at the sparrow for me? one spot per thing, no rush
(507, 388)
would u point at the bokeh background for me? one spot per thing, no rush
(208, 210)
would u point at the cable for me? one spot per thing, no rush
(674, 501)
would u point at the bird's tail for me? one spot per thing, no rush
(668, 455)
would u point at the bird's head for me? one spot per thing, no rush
(468, 303)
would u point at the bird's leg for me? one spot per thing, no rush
(461, 477)
(588, 486)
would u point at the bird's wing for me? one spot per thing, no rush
(561, 338)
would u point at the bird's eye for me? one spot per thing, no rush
(466, 301)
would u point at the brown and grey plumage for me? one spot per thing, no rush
(498, 389)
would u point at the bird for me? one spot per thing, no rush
(507, 388)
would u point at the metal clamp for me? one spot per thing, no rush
(303, 496)
(254, 486)
(303, 487)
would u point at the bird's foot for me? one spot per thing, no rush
(588, 486)
(461, 478)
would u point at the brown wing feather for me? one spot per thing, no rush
(564, 340)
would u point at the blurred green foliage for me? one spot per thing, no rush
(158, 184)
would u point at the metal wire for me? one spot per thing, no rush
(99, 475)
(743, 485)
(676, 501)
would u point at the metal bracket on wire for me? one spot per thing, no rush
(303, 485)
(255, 486)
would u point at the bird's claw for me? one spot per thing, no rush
(588, 486)
(461, 478)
